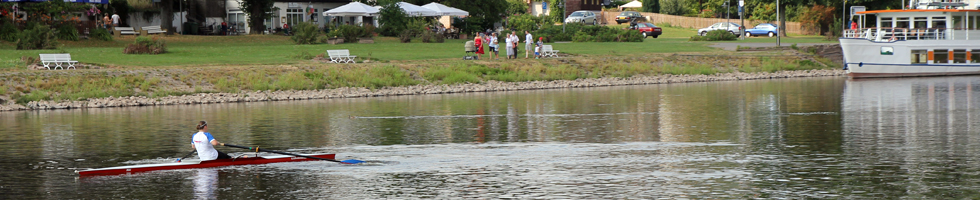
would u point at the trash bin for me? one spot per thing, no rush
(190, 28)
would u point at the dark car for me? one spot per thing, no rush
(647, 29)
(628, 16)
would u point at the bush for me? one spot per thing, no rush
(9, 32)
(146, 45)
(427, 36)
(524, 22)
(102, 34)
(715, 35)
(582, 37)
(351, 33)
(630, 36)
(405, 36)
(38, 37)
(306, 33)
(720, 35)
(607, 35)
(67, 32)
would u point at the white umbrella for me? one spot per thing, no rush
(413, 10)
(445, 10)
(632, 4)
(352, 9)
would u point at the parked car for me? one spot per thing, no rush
(583, 17)
(733, 28)
(762, 29)
(647, 29)
(628, 16)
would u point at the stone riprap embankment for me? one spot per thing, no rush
(489, 86)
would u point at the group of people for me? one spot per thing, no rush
(109, 22)
(511, 42)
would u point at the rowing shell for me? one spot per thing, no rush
(191, 164)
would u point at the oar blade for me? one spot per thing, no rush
(351, 161)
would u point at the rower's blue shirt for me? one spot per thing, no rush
(202, 142)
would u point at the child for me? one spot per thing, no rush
(537, 48)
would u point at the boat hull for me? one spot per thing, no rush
(865, 58)
(199, 164)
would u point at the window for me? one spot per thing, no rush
(959, 55)
(975, 56)
(919, 56)
(887, 51)
(940, 56)
(886, 22)
(938, 22)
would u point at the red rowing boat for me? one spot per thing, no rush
(189, 164)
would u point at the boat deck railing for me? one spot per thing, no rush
(897, 34)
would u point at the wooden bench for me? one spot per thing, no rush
(548, 51)
(57, 60)
(146, 30)
(123, 31)
(341, 55)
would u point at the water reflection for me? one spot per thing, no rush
(919, 134)
(206, 183)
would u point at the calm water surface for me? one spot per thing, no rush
(909, 138)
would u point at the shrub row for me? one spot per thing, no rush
(584, 33)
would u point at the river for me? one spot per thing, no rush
(787, 138)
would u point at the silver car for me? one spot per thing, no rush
(733, 28)
(582, 17)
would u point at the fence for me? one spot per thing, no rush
(697, 22)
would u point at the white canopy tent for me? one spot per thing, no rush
(632, 4)
(444, 10)
(416, 11)
(352, 9)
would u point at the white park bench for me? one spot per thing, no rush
(151, 30)
(57, 60)
(341, 55)
(124, 31)
(548, 51)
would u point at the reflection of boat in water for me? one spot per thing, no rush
(191, 164)
(914, 42)
(911, 112)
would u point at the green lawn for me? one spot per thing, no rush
(273, 49)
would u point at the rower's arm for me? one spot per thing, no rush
(214, 142)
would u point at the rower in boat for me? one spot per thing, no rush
(204, 143)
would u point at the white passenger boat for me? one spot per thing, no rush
(936, 38)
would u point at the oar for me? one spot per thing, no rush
(185, 156)
(292, 154)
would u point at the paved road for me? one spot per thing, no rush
(734, 46)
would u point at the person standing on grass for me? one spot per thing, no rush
(528, 44)
(106, 21)
(509, 45)
(516, 40)
(478, 41)
(115, 20)
(494, 46)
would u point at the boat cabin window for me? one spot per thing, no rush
(919, 56)
(886, 22)
(938, 22)
(940, 56)
(902, 22)
(975, 56)
(920, 22)
(959, 55)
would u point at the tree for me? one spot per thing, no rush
(392, 20)
(672, 7)
(651, 6)
(167, 16)
(258, 11)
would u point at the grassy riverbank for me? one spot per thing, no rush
(206, 64)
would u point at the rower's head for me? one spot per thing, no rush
(202, 126)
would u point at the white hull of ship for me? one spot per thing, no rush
(864, 58)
